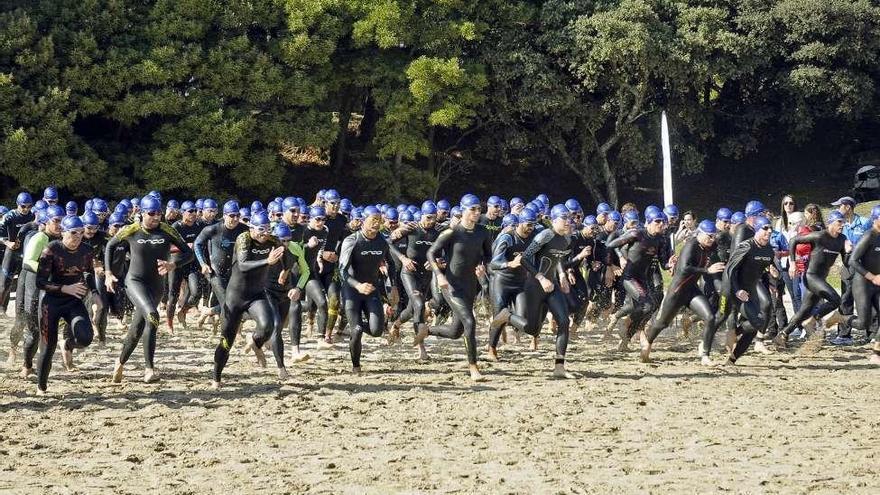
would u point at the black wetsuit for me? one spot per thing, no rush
(464, 249)
(745, 271)
(12, 223)
(58, 267)
(545, 255)
(336, 229)
(289, 312)
(683, 292)
(865, 258)
(188, 274)
(822, 256)
(315, 289)
(359, 262)
(143, 284)
(642, 248)
(508, 283)
(415, 243)
(246, 292)
(214, 248)
(99, 294)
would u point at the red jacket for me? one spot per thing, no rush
(802, 253)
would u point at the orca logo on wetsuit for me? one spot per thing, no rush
(261, 251)
(763, 258)
(427, 243)
(151, 241)
(375, 253)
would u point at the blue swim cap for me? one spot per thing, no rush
(493, 201)
(655, 215)
(754, 208)
(671, 211)
(603, 208)
(455, 211)
(412, 209)
(544, 199)
(357, 214)
(371, 211)
(761, 222)
(100, 206)
(117, 219)
(651, 208)
(707, 227)
(88, 205)
(121, 209)
(55, 211)
(209, 204)
(559, 211)
(331, 195)
(875, 212)
(200, 203)
(289, 203)
(41, 205)
(172, 204)
(723, 214)
(256, 206)
(316, 211)
(42, 218)
(401, 207)
(273, 207)
(615, 217)
(3, 210)
(405, 217)
(443, 205)
(282, 231)
(187, 206)
(573, 206)
(149, 203)
(469, 201)
(89, 219)
(71, 207)
(633, 216)
(244, 214)
(71, 222)
(589, 221)
(126, 202)
(345, 206)
(835, 216)
(737, 218)
(231, 207)
(155, 194)
(516, 201)
(527, 215)
(50, 194)
(260, 219)
(135, 202)
(24, 198)
(390, 214)
(509, 220)
(429, 208)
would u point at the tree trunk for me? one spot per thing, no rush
(340, 150)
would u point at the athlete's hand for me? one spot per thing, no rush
(546, 284)
(480, 271)
(773, 271)
(716, 268)
(282, 277)
(77, 290)
(10, 244)
(564, 285)
(847, 246)
(875, 280)
(294, 294)
(442, 282)
(742, 295)
(165, 266)
(365, 288)
(585, 252)
(408, 264)
(275, 255)
(570, 278)
(110, 282)
(206, 271)
(618, 271)
(623, 263)
(99, 271)
(329, 256)
(383, 269)
(597, 265)
(672, 261)
(313, 241)
(515, 262)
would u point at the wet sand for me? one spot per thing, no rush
(791, 422)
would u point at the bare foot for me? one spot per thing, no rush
(117, 372)
(421, 335)
(301, 357)
(181, 317)
(781, 341)
(41, 392)
(258, 350)
(645, 354)
(534, 343)
(11, 356)
(150, 375)
(423, 353)
(706, 361)
(762, 348)
(493, 353)
(476, 376)
(26, 372)
(559, 372)
(282, 374)
(874, 358)
(394, 334)
(356, 370)
(325, 344)
(215, 385)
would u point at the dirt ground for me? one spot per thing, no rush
(795, 422)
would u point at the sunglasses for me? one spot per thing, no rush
(261, 229)
(189, 211)
(75, 231)
(530, 225)
(293, 210)
(318, 219)
(657, 221)
(767, 227)
(233, 215)
(153, 213)
(334, 203)
(725, 221)
(24, 206)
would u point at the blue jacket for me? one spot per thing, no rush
(856, 228)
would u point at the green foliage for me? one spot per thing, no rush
(198, 96)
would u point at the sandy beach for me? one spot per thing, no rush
(794, 422)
